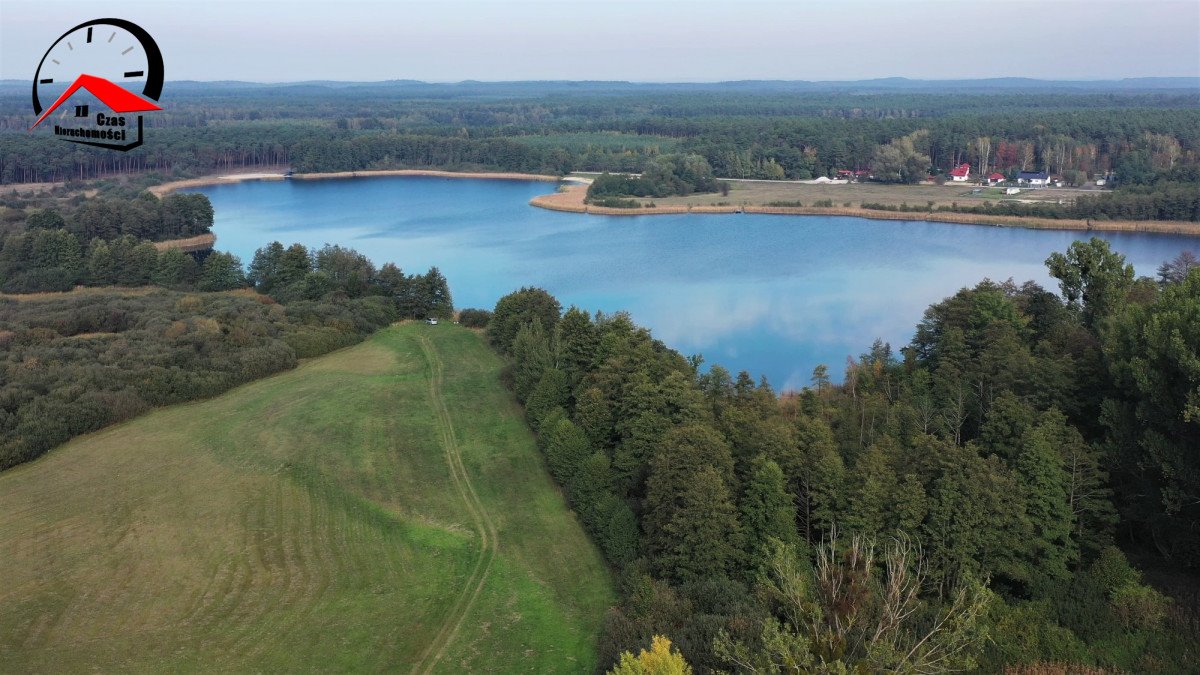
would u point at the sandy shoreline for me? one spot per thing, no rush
(204, 181)
(570, 199)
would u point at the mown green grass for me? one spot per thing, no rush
(303, 522)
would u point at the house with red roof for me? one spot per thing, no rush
(960, 173)
(996, 178)
(848, 174)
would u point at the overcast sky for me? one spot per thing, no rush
(647, 40)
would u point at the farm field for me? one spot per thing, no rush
(379, 508)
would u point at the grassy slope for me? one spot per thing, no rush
(309, 521)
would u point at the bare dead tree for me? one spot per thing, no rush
(954, 412)
(859, 622)
(1026, 156)
(983, 151)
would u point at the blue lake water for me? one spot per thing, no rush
(774, 295)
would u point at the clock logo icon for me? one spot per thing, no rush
(116, 62)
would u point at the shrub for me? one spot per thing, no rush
(616, 203)
(1139, 607)
(115, 355)
(474, 318)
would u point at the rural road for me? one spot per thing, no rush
(488, 539)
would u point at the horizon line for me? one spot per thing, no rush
(681, 81)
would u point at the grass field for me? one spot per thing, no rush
(762, 193)
(775, 197)
(380, 508)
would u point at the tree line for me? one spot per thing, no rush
(43, 260)
(75, 363)
(297, 273)
(141, 216)
(80, 362)
(664, 176)
(1168, 195)
(953, 506)
(755, 134)
(105, 241)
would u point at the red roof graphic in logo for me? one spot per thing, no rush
(111, 95)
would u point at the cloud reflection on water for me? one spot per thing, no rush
(774, 295)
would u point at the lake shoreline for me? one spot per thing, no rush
(226, 179)
(773, 296)
(570, 199)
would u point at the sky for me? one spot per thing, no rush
(644, 41)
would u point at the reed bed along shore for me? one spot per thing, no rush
(571, 199)
(200, 242)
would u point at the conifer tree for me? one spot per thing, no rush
(220, 272)
(768, 512)
(102, 264)
(870, 493)
(577, 340)
(592, 414)
(566, 451)
(675, 472)
(701, 537)
(435, 292)
(294, 264)
(631, 459)
(618, 529)
(1047, 498)
(551, 392)
(911, 504)
(815, 476)
(264, 268)
(175, 269)
(592, 482)
(1003, 431)
(531, 358)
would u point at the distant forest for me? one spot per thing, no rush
(759, 131)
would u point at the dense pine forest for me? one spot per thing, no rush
(1144, 140)
(961, 503)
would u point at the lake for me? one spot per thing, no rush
(773, 295)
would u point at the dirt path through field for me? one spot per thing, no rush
(488, 539)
